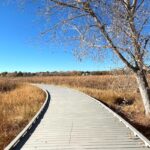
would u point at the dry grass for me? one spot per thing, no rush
(18, 104)
(7, 85)
(119, 92)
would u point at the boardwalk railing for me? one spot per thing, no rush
(134, 130)
(22, 134)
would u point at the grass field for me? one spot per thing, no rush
(119, 92)
(17, 97)
(18, 104)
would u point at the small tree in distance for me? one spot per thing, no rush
(101, 27)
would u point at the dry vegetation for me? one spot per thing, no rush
(119, 92)
(18, 104)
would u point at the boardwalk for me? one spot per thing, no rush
(74, 121)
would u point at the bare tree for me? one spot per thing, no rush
(101, 27)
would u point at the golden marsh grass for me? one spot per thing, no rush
(18, 104)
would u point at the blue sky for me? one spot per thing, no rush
(20, 52)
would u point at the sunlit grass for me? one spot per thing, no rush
(17, 106)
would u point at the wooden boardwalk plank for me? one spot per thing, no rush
(74, 121)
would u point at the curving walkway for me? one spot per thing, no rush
(74, 121)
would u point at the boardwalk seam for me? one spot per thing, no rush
(71, 132)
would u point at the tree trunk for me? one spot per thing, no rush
(144, 90)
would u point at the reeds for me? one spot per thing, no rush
(18, 104)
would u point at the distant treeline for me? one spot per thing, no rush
(61, 73)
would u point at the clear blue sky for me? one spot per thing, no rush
(19, 51)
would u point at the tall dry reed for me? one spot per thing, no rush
(18, 104)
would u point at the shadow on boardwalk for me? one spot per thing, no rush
(24, 139)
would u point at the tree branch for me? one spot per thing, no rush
(142, 27)
(65, 4)
(139, 5)
(133, 6)
(108, 39)
(63, 22)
